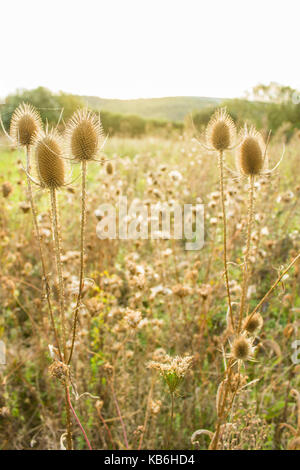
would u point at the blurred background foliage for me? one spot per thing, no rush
(272, 106)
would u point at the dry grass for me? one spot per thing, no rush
(152, 304)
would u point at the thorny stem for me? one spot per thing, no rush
(56, 235)
(246, 257)
(82, 237)
(273, 287)
(225, 235)
(77, 419)
(38, 236)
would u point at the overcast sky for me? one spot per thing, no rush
(149, 48)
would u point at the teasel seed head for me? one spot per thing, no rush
(253, 323)
(49, 160)
(251, 153)
(25, 125)
(241, 348)
(220, 131)
(109, 168)
(84, 134)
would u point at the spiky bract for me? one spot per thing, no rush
(253, 323)
(251, 153)
(241, 348)
(49, 160)
(25, 125)
(84, 135)
(220, 131)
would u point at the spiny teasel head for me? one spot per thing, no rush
(25, 125)
(241, 348)
(220, 131)
(49, 160)
(84, 134)
(253, 323)
(251, 153)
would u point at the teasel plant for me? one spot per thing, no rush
(251, 162)
(85, 139)
(25, 127)
(221, 136)
(51, 173)
(51, 170)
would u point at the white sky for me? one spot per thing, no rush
(149, 48)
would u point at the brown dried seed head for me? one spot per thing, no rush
(49, 161)
(25, 125)
(109, 168)
(250, 155)
(253, 323)
(220, 132)
(85, 135)
(6, 188)
(241, 348)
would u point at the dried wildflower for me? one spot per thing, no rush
(220, 131)
(109, 168)
(25, 207)
(242, 349)
(49, 161)
(6, 188)
(133, 318)
(59, 370)
(181, 290)
(251, 153)
(253, 323)
(172, 370)
(25, 125)
(155, 406)
(84, 134)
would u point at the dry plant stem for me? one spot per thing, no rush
(273, 286)
(120, 415)
(225, 235)
(106, 427)
(246, 258)
(56, 234)
(172, 414)
(82, 237)
(147, 414)
(38, 236)
(77, 419)
(215, 440)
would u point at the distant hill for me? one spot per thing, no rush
(170, 108)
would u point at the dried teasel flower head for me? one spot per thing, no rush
(253, 323)
(220, 131)
(109, 168)
(25, 125)
(84, 135)
(241, 348)
(49, 160)
(251, 153)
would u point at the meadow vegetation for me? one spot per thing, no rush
(174, 349)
